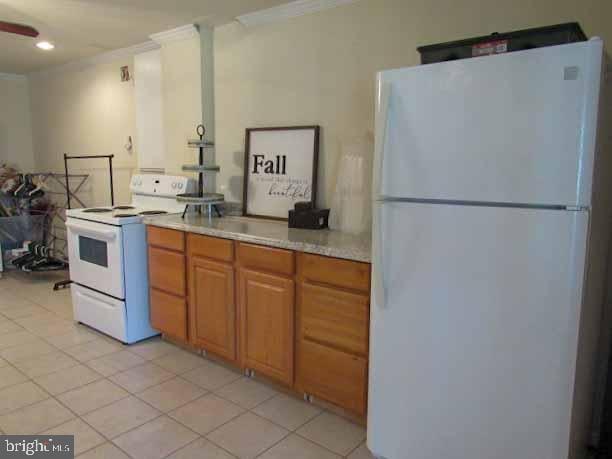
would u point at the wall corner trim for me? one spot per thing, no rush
(179, 33)
(288, 11)
(12, 76)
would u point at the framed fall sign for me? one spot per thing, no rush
(280, 169)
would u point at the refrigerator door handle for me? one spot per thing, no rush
(379, 288)
(383, 97)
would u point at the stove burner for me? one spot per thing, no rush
(97, 210)
(123, 208)
(124, 215)
(153, 212)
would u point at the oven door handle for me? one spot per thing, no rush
(96, 233)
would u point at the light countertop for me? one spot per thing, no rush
(273, 234)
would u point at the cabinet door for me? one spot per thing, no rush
(169, 314)
(212, 307)
(267, 324)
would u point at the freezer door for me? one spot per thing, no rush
(515, 128)
(474, 324)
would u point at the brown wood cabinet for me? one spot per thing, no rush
(166, 238)
(335, 318)
(332, 330)
(212, 305)
(168, 302)
(267, 324)
(333, 375)
(267, 310)
(167, 272)
(300, 319)
(169, 314)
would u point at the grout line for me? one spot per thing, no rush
(122, 433)
(44, 400)
(30, 380)
(206, 392)
(276, 443)
(53, 427)
(91, 411)
(78, 387)
(319, 444)
(246, 410)
(90, 449)
(218, 427)
(205, 436)
(15, 383)
(216, 444)
(356, 448)
(81, 417)
(97, 408)
(201, 437)
(238, 405)
(161, 413)
(280, 425)
(180, 375)
(107, 440)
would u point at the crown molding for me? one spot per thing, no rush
(12, 76)
(109, 56)
(179, 33)
(288, 11)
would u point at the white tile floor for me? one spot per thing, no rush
(150, 400)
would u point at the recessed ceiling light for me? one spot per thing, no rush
(45, 45)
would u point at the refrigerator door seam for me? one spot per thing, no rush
(450, 202)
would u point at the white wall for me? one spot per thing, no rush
(86, 111)
(320, 69)
(182, 100)
(15, 123)
(150, 138)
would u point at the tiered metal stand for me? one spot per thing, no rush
(201, 199)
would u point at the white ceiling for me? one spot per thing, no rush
(83, 28)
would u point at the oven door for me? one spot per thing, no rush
(96, 256)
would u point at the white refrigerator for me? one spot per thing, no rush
(485, 301)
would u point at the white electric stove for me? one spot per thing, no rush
(108, 257)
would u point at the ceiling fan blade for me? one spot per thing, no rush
(18, 29)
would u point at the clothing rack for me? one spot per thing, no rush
(51, 182)
(110, 170)
(50, 179)
(65, 283)
(48, 250)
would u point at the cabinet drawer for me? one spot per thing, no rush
(266, 258)
(334, 271)
(210, 247)
(169, 314)
(333, 375)
(334, 317)
(167, 271)
(166, 238)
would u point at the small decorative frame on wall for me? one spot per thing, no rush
(125, 74)
(280, 169)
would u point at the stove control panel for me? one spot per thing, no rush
(161, 185)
